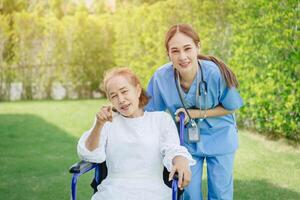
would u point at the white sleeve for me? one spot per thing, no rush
(98, 155)
(170, 145)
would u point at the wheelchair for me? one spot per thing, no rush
(100, 171)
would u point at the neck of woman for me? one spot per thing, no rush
(138, 113)
(186, 79)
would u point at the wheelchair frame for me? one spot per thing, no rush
(83, 167)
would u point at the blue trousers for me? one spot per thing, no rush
(219, 175)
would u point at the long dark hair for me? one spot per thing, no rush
(188, 30)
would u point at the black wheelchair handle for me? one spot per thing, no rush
(79, 166)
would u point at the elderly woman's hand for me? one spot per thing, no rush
(181, 166)
(105, 114)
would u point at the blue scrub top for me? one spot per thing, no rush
(218, 134)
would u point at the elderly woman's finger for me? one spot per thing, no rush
(172, 174)
(180, 179)
(187, 178)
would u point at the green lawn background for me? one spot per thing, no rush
(38, 144)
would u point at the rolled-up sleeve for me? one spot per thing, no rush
(229, 98)
(98, 155)
(169, 144)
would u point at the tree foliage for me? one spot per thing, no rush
(265, 45)
(62, 41)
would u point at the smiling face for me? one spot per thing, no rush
(124, 96)
(183, 52)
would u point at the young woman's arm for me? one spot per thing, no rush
(197, 113)
(214, 112)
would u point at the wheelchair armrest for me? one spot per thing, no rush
(80, 166)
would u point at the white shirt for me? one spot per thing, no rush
(135, 150)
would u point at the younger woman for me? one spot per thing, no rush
(205, 89)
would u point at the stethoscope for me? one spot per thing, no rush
(202, 81)
(201, 90)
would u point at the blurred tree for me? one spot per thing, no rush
(6, 74)
(28, 36)
(9, 6)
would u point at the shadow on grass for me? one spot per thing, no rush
(35, 157)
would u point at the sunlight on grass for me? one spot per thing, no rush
(72, 116)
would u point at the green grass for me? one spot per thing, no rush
(38, 144)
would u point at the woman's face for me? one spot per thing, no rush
(183, 53)
(124, 96)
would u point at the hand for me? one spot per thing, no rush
(181, 166)
(186, 117)
(104, 115)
